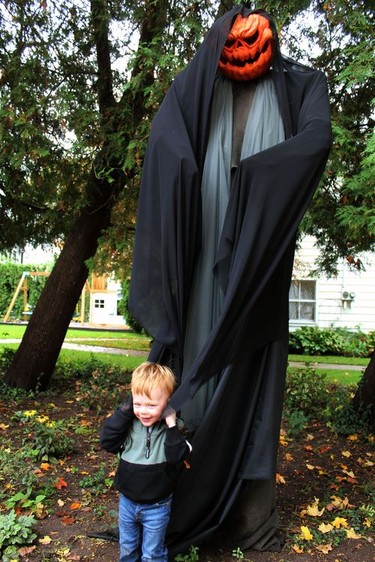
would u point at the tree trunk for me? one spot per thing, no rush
(365, 395)
(37, 354)
(35, 359)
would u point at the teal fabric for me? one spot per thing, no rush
(135, 445)
(264, 128)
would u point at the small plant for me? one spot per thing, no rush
(237, 553)
(15, 530)
(46, 439)
(191, 556)
(306, 392)
(25, 501)
(96, 483)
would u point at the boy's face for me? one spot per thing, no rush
(149, 409)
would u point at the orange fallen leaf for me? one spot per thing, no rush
(60, 484)
(45, 466)
(280, 479)
(75, 505)
(297, 548)
(67, 520)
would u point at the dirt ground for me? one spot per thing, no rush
(317, 465)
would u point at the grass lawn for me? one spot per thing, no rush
(125, 339)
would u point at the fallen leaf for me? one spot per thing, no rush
(60, 503)
(289, 457)
(325, 528)
(310, 466)
(75, 505)
(310, 437)
(67, 520)
(313, 509)
(352, 437)
(3, 426)
(340, 522)
(346, 454)
(324, 548)
(308, 447)
(349, 473)
(45, 466)
(45, 540)
(60, 484)
(306, 534)
(351, 534)
(297, 548)
(338, 503)
(280, 479)
(25, 550)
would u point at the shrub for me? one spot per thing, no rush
(306, 391)
(45, 439)
(312, 340)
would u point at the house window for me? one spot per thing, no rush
(302, 301)
(98, 303)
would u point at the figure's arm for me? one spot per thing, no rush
(116, 428)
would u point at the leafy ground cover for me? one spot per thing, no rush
(57, 484)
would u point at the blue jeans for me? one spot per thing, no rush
(142, 530)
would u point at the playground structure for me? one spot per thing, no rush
(97, 284)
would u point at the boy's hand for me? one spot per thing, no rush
(127, 406)
(169, 415)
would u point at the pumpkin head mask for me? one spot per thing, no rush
(248, 51)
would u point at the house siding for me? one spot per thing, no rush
(331, 309)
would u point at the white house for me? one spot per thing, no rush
(347, 300)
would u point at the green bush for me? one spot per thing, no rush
(311, 340)
(306, 391)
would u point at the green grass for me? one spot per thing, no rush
(126, 339)
(330, 359)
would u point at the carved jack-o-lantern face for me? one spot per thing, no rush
(247, 53)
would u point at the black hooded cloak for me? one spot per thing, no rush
(235, 445)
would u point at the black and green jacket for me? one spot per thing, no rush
(149, 457)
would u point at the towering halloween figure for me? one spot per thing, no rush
(235, 153)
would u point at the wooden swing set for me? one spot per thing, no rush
(27, 311)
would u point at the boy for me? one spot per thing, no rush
(144, 431)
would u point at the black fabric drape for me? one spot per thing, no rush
(237, 439)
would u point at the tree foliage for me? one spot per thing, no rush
(80, 83)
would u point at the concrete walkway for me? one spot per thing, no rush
(116, 351)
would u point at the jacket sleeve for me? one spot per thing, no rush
(177, 448)
(116, 428)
